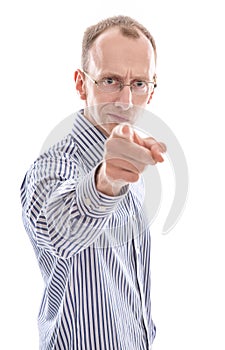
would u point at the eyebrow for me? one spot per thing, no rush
(119, 77)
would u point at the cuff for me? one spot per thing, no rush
(93, 203)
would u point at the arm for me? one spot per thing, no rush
(64, 210)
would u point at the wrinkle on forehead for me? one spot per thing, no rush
(113, 50)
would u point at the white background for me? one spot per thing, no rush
(40, 49)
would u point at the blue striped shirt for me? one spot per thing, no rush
(93, 250)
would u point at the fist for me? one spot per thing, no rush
(126, 156)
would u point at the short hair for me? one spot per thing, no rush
(128, 27)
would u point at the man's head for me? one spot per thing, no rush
(128, 26)
(117, 52)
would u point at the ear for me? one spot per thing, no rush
(80, 84)
(150, 97)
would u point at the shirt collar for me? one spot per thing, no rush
(89, 139)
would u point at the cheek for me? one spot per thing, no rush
(102, 97)
(94, 98)
(141, 101)
(142, 104)
(90, 97)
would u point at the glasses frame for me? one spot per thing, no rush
(121, 84)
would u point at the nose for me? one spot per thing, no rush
(124, 98)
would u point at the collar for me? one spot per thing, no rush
(89, 139)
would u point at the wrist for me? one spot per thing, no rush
(104, 184)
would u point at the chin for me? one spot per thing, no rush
(107, 128)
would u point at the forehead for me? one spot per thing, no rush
(113, 51)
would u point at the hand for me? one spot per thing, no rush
(126, 157)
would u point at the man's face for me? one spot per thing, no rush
(114, 55)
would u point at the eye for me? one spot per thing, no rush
(109, 81)
(139, 84)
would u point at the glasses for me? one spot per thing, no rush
(112, 84)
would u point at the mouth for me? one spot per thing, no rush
(118, 118)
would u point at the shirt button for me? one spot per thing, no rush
(138, 250)
(87, 201)
(101, 208)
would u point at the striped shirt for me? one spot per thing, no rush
(93, 250)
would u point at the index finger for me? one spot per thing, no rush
(123, 131)
(151, 143)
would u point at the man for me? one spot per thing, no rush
(82, 201)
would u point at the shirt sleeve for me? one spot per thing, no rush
(62, 207)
